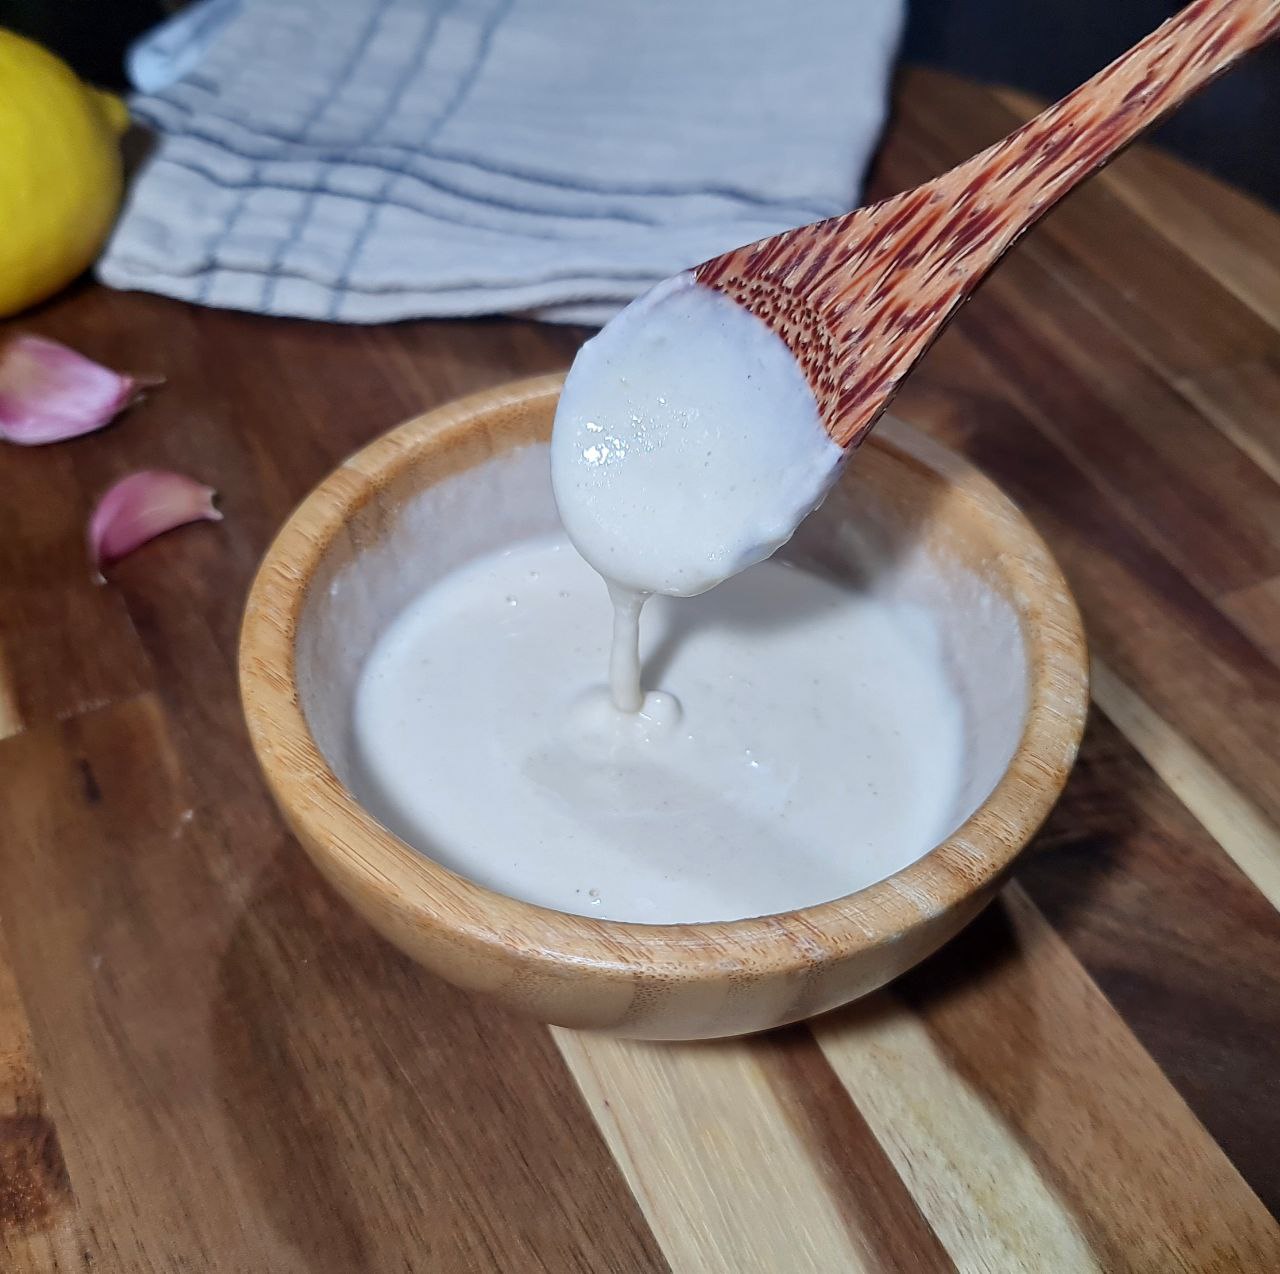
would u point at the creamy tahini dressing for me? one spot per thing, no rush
(814, 749)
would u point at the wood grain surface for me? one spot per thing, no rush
(208, 1062)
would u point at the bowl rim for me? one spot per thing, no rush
(346, 840)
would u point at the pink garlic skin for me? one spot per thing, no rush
(49, 392)
(140, 507)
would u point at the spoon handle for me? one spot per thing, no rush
(1038, 163)
(861, 297)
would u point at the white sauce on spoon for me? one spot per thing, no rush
(687, 446)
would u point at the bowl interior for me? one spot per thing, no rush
(901, 519)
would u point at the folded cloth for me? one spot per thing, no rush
(383, 159)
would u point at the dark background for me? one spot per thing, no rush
(1049, 46)
(1043, 46)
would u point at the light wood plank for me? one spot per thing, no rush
(1032, 1051)
(1242, 401)
(1257, 611)
(725, 1182)
(975, 1183)
(10, 717)
(1246, 836)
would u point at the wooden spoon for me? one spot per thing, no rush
(860, 298)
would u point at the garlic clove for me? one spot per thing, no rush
(49, 392)
(142, 506)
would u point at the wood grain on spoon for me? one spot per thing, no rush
(859, 298)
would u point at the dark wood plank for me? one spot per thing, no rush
(1131, 431)
(1243, 400)
(1176, 936)
(243, 1076)
(1021, 1022)
(1159, 632)
(1076, 371)
(1149, 286)
(83, 631)
(882, 1215)
(1235, 236)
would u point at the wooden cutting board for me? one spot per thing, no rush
(208, 1063)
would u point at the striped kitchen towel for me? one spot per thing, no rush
(364, 160)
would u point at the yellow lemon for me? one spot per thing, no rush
(60, 175)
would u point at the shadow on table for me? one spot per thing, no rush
(988, 1001)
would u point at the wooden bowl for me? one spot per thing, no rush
(473, 475)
